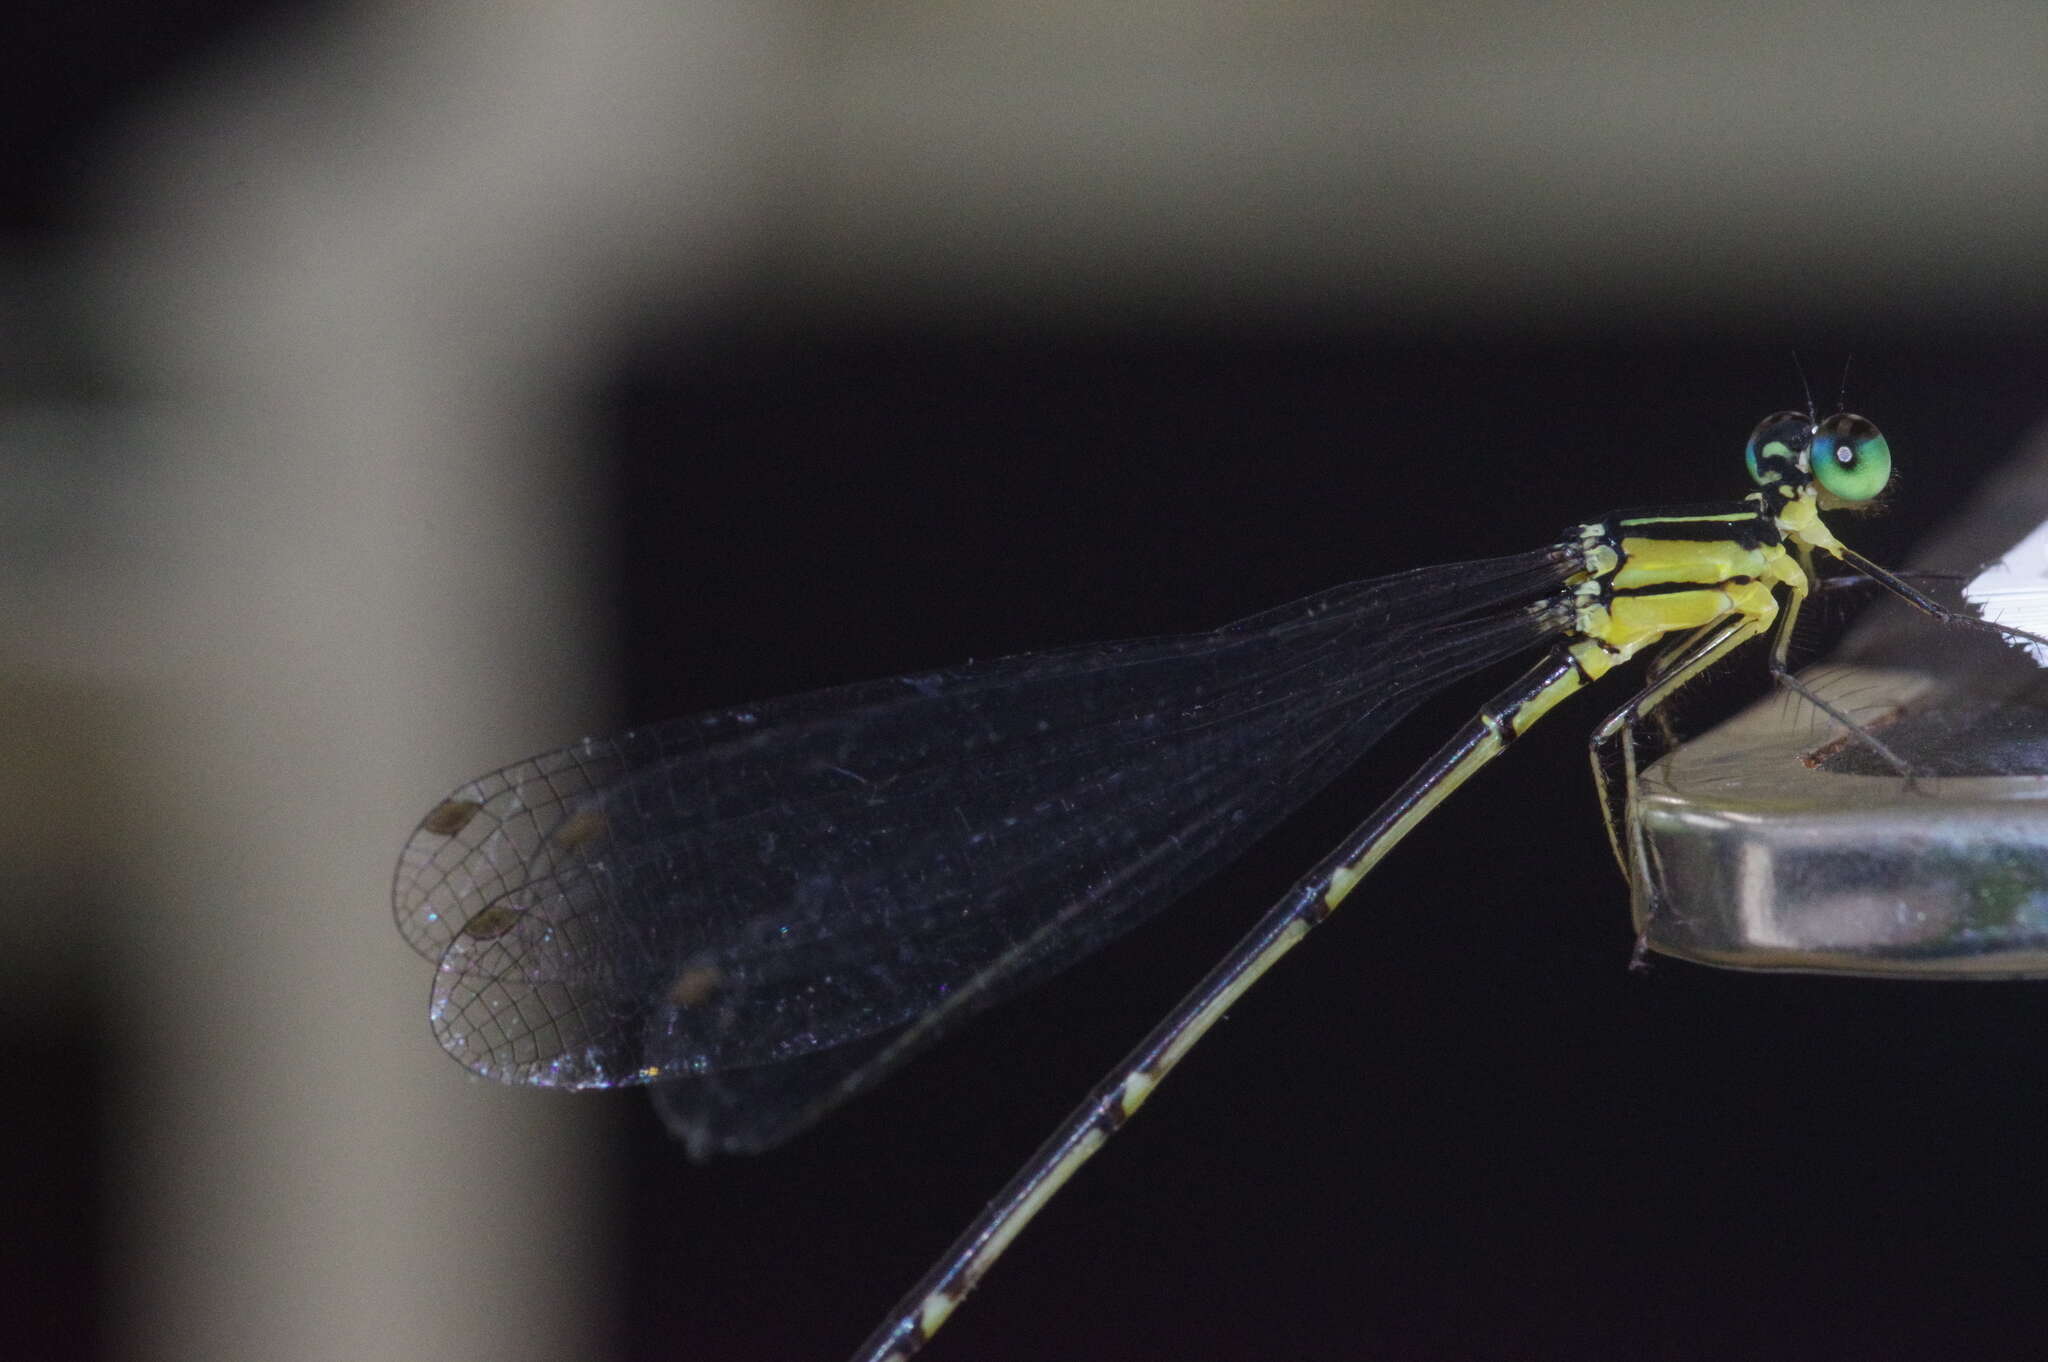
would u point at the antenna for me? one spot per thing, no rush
(1812, 416)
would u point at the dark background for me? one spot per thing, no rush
(1457, 1124)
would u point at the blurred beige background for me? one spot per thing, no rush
(355, 270)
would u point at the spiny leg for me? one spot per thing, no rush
(1921, 601)
(1669, 656)
(1707, 646)
(1673, 653)
(1729, 635)
(1781, 671)
(1900, 587)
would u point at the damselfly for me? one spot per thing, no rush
(762, 911)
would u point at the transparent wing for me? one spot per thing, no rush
(764, 909)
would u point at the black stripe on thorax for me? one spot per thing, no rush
(1673, 588)
(1742, 522)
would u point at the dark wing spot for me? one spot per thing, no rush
(450, 818)
(579, 830)
(493, 922)
(696, 986)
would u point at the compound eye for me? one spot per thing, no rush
(1775, 445)
(1850, 458)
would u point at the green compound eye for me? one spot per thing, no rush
(1851, 460)
(1773, 450)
